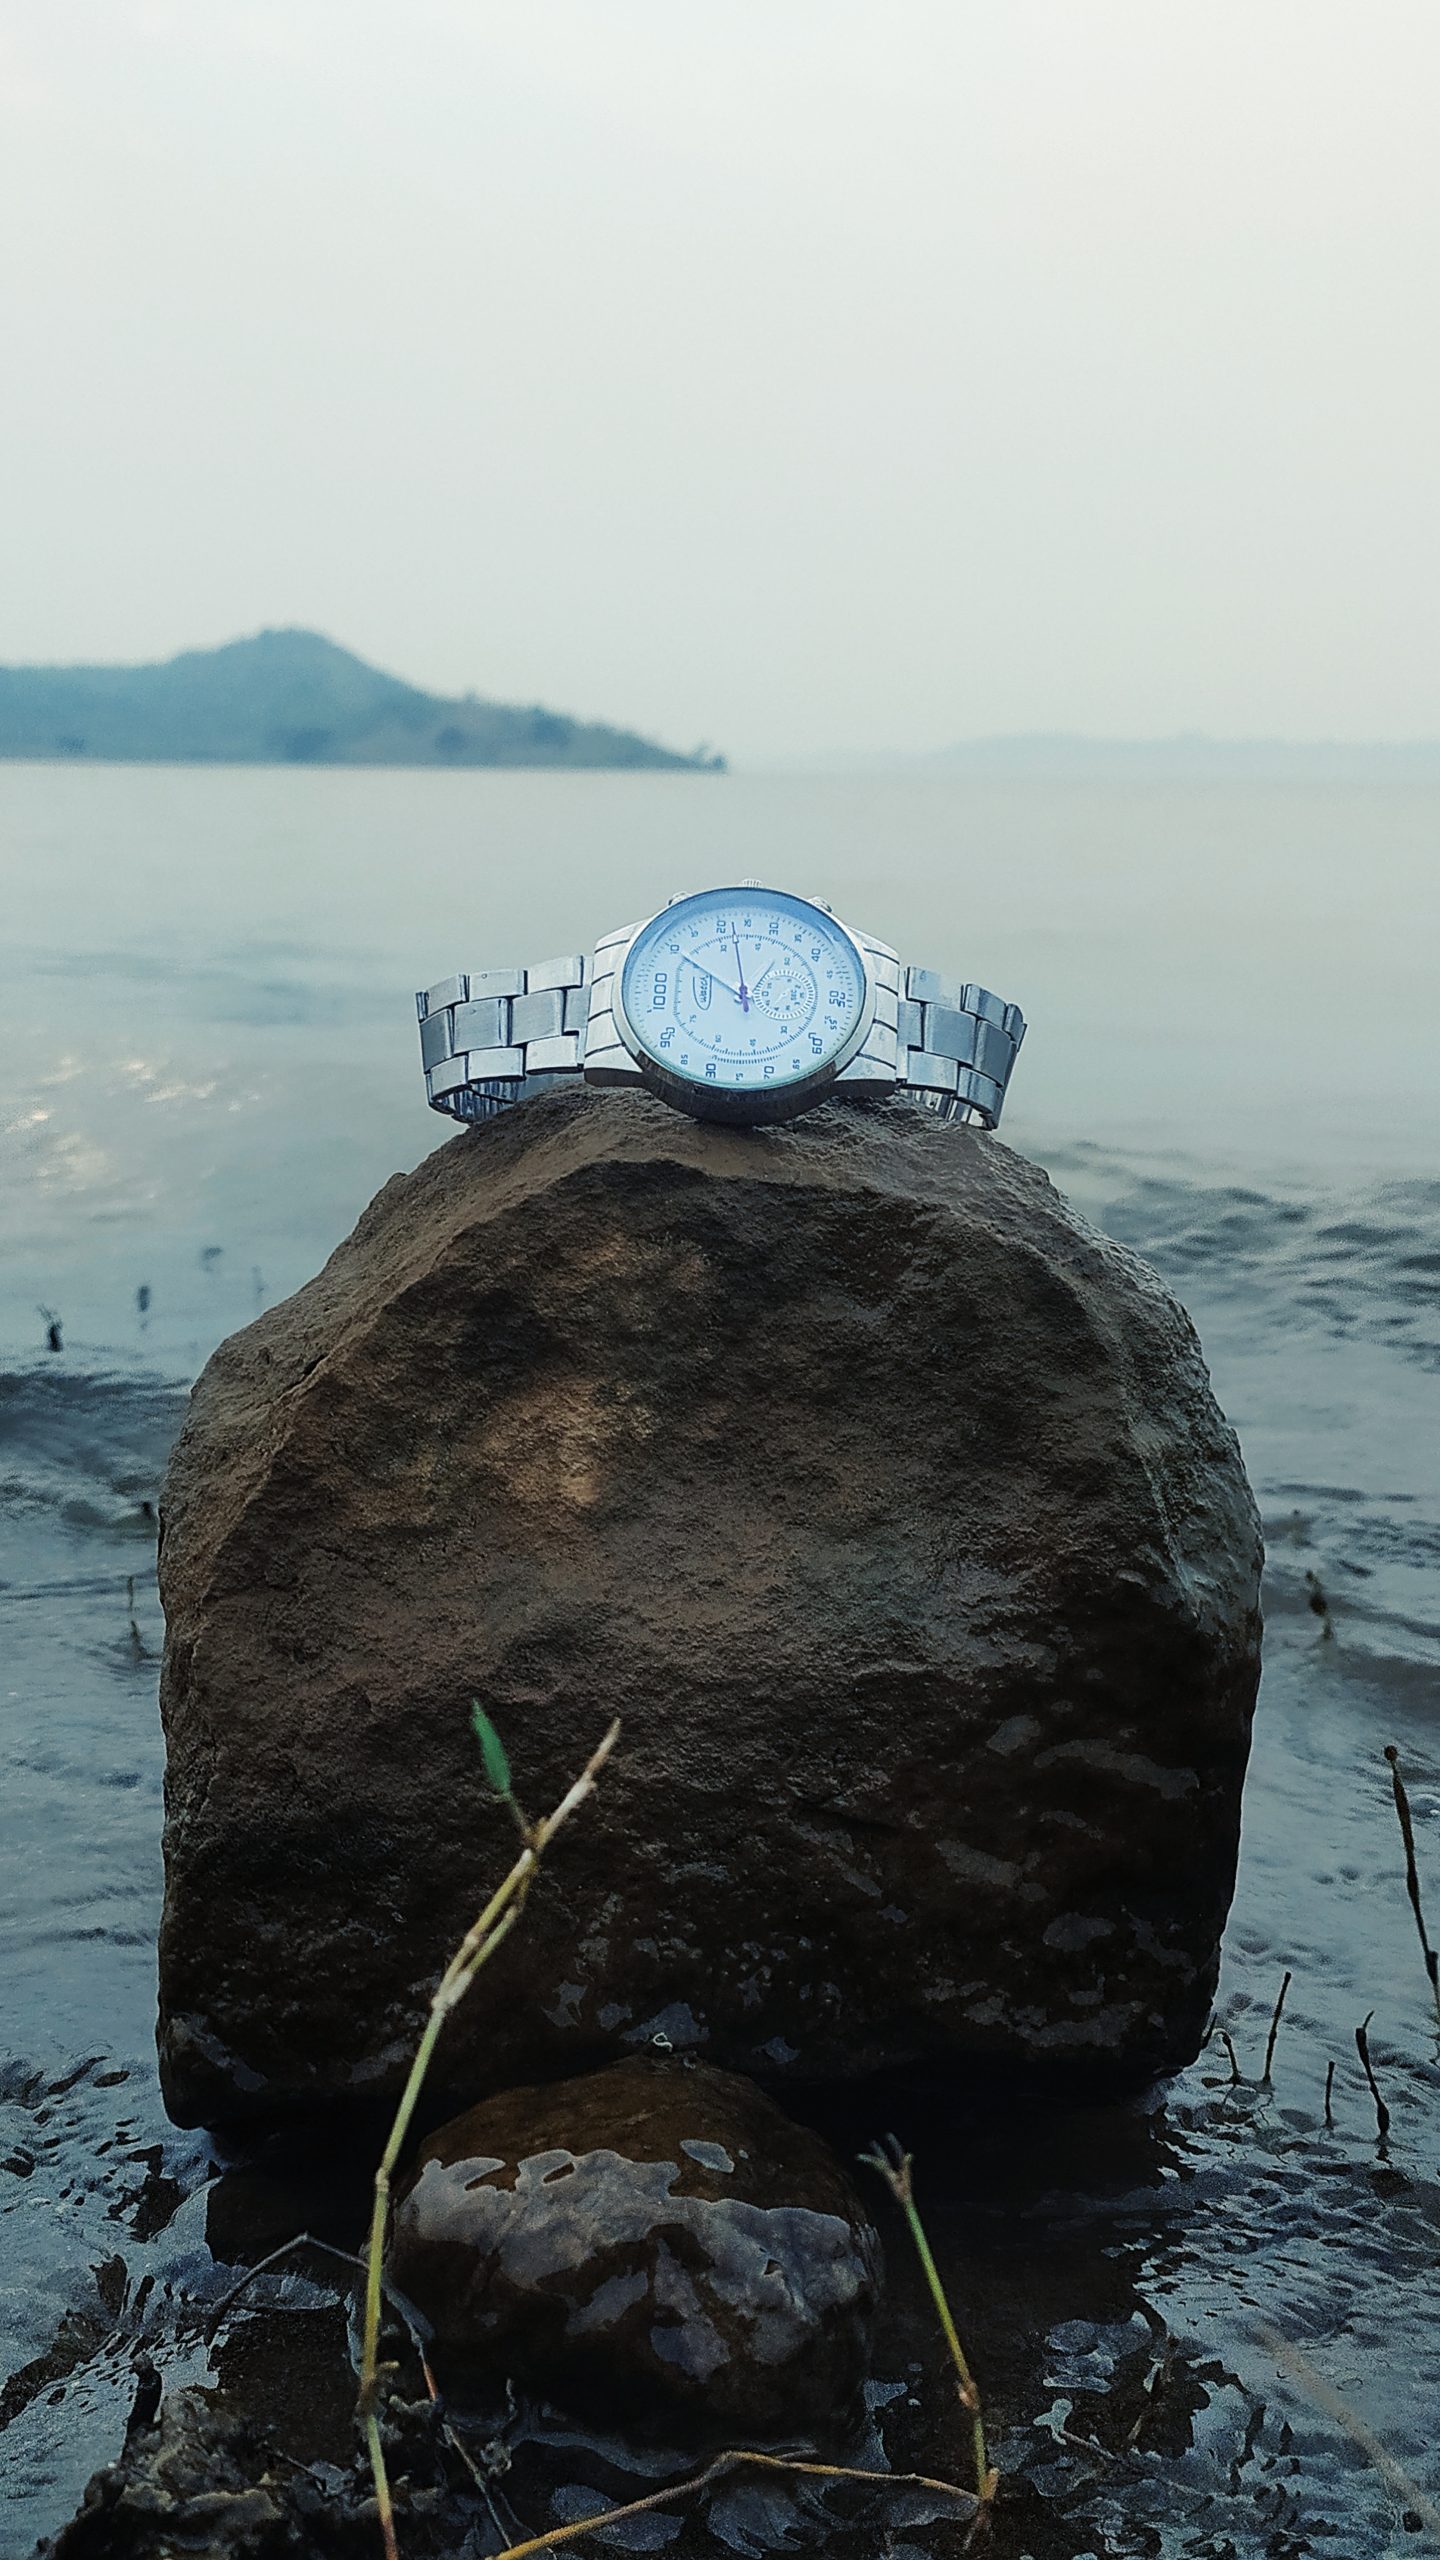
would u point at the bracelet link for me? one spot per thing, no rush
(960, 1044)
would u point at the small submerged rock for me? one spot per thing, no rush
(655, 2241)
(214, 2481)
(198, 2480)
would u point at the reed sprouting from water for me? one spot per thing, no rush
(1382, 2112)
(1412, 1872)
(1274, 2030)
(476, 1948)
(896, 2167)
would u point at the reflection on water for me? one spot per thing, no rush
(193, 1116)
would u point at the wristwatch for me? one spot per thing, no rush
(742, 1004)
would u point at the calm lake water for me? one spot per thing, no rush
(207, 1066)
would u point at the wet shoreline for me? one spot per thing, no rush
(1079, 2241)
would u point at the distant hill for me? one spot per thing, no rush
(292, 697)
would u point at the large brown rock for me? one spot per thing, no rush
(888, 1505)
(655, 2241)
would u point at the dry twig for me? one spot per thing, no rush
(717, 2470)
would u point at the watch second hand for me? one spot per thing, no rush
(742, 992)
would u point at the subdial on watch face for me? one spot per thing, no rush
(787, 992)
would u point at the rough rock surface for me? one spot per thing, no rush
(213, 2482)
(886, 1502)
(654, 2241)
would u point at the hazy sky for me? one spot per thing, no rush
(789, 373)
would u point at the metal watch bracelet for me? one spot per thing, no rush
(489, 1038)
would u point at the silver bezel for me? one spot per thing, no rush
(767, 1104)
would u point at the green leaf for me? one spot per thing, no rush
(497, 1766)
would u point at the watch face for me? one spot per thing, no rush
(744, 992)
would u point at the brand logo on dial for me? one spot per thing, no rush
(743, 989)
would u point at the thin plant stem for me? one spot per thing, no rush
(969, 2395)
(723, 2464)
(479, 1944)
(288, 2249)
(1274, 2031)
(462, 2451)
(1412, 1871)
(384, 2504)
(896, 2168)
(1382, 2112)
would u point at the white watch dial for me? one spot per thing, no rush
(743, 988)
